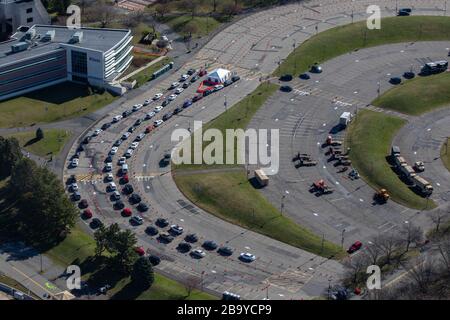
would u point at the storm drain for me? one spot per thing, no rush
(187, 206)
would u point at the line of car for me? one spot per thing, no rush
(111, 187)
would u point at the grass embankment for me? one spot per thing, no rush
(230, 196)
(197, 26)
(369, 137)
(52, 143)
(54, 103)
(143, 76)
(417, 96)
(79, 247)
(344, 39)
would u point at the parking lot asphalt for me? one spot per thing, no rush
(252, 48)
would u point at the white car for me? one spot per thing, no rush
(109, 177)
(157, 123)
(112, 186)
(184, 77)
(97, 132)
(157, 96)
(248, 257)
(114, 150)
(137, 107)
(140, 137)
(179, 90)
(199, 253)
(74, 187)
(74, 163)
(218, 87)
(117, 118)
(158, 109)
(149, 115)
(122, 160)
(176, 229)
(128, 153)
(174, 85)
(134, 145)
(125, 135)
(172, 97)
(147, 102)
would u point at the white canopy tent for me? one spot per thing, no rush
(219, 76)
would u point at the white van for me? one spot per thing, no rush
(124, 168)
(117, 118)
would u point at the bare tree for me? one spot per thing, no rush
(191, 7)
(161, 10)
(388, 243)
(373, 253)
(438, 217)
(444, 251)
(355, 268)
(409, 233)
(421, 271)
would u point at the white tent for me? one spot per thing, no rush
(219, 76)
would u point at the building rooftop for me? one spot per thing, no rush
(92, 38)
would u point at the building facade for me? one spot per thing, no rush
(16, 13)
(46, 55)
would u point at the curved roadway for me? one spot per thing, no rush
(252, 47)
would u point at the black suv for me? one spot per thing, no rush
(235, 78)
(161, 222)
(135, 198)
(184, 247)
(96, 223)
(150, 230)
(192, 237)
(106, 126)
(142, 207)
(126, 113)
(154, 260)
(128, 189)
(177, 110)
(210, 245)
(226, 251)
(167, 116)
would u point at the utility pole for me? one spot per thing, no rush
(379, 88)
(352, 16)
(323, 241)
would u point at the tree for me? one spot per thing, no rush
(410, 233)
(39, 134)
(10, 154)
(438, 217)
(161, 9)
(123, 246)
(191, 283)
(355, 269)
(142, 274)
(388, 243)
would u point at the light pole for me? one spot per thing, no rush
(379, 88)
(225, 102)
(352, 15)
(282, 204)
(342, 239)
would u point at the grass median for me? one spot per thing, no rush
(369, 137)
(344, 39)
(145, 75)
(52, 143)
(225, 191)
(417, 96)
(445, 153)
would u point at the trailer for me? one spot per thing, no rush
(422, 185)
(400, 161)
(395, 151)
(261, 177)
(407, 171)
(320, 187)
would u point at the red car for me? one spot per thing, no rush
(127, 212)
(355, 247)
(149, 129)
(125, 179)
(140, 251)
(202, 73)
(87, 214)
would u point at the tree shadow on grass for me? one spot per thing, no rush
(129, 292)
(31, 142)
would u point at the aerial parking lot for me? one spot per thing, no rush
(361, 119)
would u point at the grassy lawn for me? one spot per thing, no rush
(55, 103)
(369, 138)
(52, 143)
(417, 96)
(144, 76)
(78, 247)
(230, 196)
(198, 26)
(237, 117)
(445, 154)
(139, 60)
(343, 39)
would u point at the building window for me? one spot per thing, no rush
(29, 20)
(29, 10)
(79, 62)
